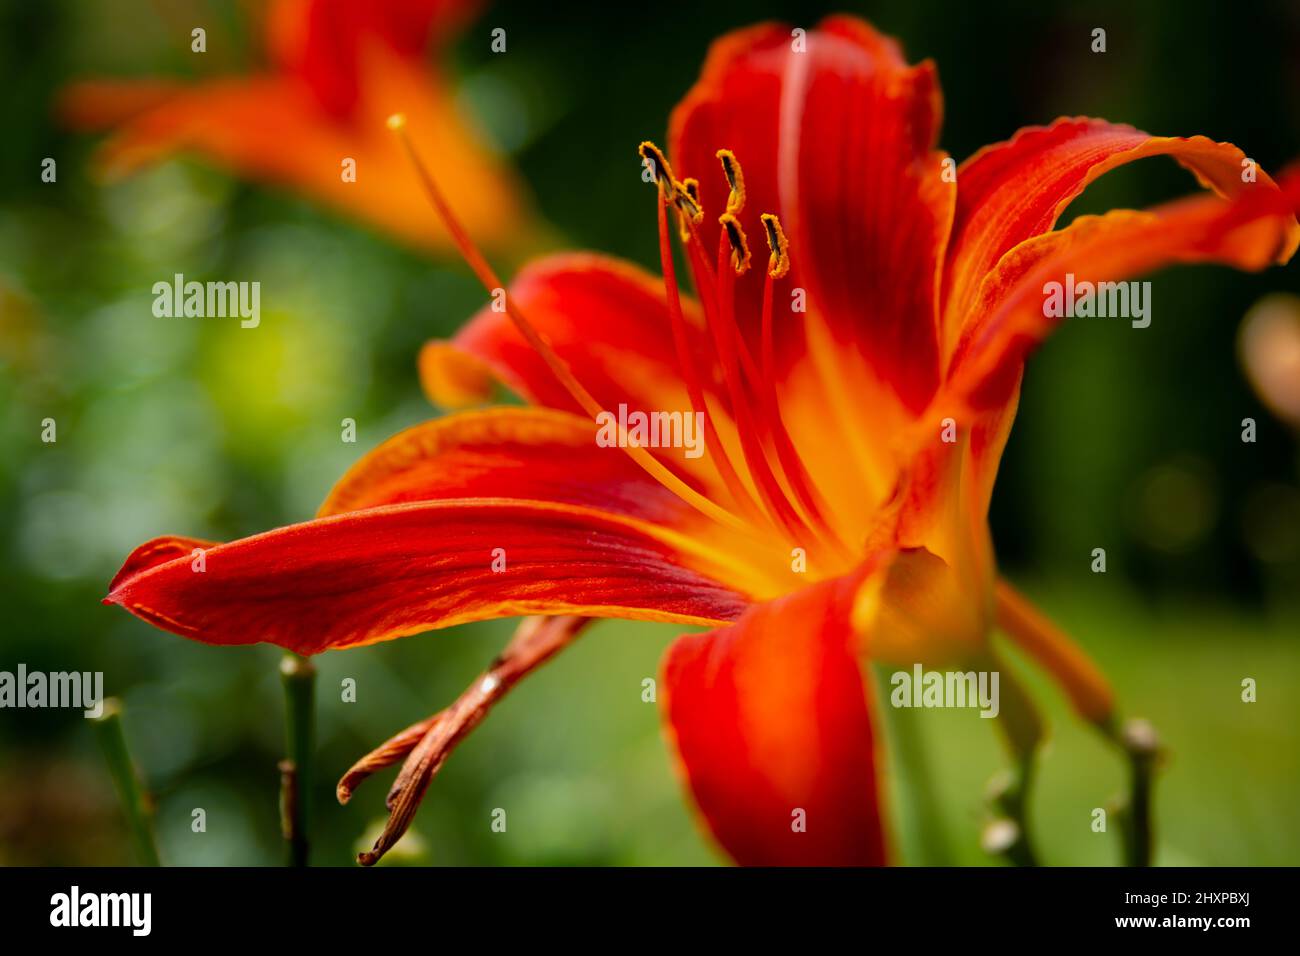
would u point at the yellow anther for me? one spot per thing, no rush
(692, 189)
(735, 179)
(778, 264)
(687, 200)
(689, 209)
(396, 121)
(658, 166)
(739, 245)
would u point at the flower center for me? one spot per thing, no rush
(788, 500)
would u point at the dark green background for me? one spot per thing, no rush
(1126, 440)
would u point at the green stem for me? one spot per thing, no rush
(1140, 744)
(135, 802)
(1007, 832)
(918, 789)
(298, 675)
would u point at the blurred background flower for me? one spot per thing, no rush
(311, 117)
(1270, 351)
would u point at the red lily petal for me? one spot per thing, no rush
(387, 572)
(104, 104)
(533, 454)
(1013, 191)
(233, 118)
(770, 717)
(607, 318)
(158, 551)
(321, 40)
(735, 105)
(1255, 230)
(536, 454)
(839, 141)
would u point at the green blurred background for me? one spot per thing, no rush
(1125, 441)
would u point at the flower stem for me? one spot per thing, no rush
(1007, 831)
(921, 818)
(135, 801)
(298, 675)
(1094, 701)
(1140, 744)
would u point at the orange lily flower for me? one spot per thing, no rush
(316, 116)
(854, 394)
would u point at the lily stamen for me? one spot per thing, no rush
(707, 285)
(742, 390)
(735, 179)
(739, 244)
(787, 453)
(778, 263)
(475, 260)
(690, 376)
(685, 221)
(663, 172)
(763, 385)
(725, 336)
